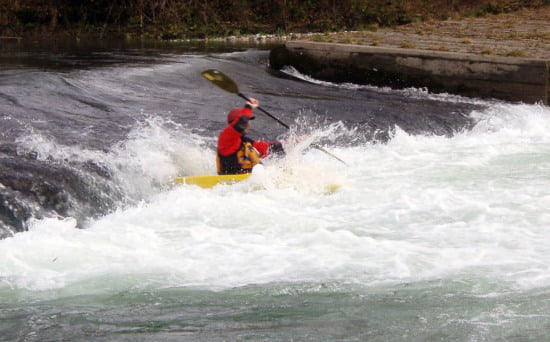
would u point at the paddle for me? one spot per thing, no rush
(223, 81)
(226, 83)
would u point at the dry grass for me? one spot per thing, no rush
(525, 33)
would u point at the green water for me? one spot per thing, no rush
(431, 311)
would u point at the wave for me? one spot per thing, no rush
(415, 93)
(84, 143)
(416, 208)
(44, 177)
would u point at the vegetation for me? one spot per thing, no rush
(517, 53)
(167, 19)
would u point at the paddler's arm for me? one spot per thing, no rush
(266, 147)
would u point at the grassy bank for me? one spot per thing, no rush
(524, 33)
(172, 19)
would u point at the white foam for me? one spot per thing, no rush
(411, 92)
(416, 208)
(155, 151)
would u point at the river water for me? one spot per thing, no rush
(438, 231)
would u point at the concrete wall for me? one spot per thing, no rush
(506, 78)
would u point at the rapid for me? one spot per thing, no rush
(438, 230)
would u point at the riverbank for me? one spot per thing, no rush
(525, 33)
(478, 56)
(504, 56)
(165, 20)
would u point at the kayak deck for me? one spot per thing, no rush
(210, 181)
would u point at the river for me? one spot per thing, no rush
(438, 231)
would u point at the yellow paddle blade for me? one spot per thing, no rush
(221, 80)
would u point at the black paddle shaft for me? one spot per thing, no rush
(265, 112)
(286, 126)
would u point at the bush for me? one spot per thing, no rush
(196, 18)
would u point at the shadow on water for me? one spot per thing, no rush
(71, 54)
(35, 189)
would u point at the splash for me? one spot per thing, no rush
(418, 208)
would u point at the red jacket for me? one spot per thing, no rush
(230, 141)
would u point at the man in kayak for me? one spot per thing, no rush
(236, 152)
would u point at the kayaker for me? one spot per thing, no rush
(236, 152)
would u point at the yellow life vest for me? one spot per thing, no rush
(247, 157)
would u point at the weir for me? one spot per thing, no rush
(506, 78)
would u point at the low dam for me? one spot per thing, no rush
(506, 78)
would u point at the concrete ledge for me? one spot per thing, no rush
(505, 78)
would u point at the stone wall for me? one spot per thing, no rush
(505, 78)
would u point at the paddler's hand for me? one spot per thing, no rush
(253, 103)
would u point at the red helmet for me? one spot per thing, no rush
(236, 113)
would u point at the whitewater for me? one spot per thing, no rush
(428, 237)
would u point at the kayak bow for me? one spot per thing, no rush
(210, 181)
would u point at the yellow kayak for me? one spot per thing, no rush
(210, 181)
